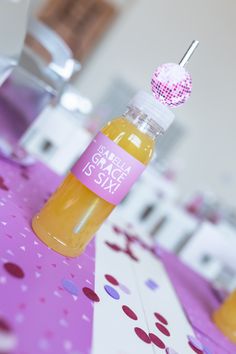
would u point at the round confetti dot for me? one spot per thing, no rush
(207, 350)
(195, 350)
(130, 313)
(161, 318)
(111, 279)
(14, 270)
(112, 292)
(4, 327)
(91, 295)
(151, 284)
(142, 335)
(162, 329)
(195, 343)
(70, 286)
(130, 238)
(117, 230)
(131, 255)
(124, 289)
(170, 351)
(113, 246)
(157, 341)
(2, 184)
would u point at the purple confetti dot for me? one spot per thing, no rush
(112, 292)
(207, 350)
(151, 284)
(195, 342)
(124, 289)
(170, 351)
(70, 286)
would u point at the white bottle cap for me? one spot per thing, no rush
(149, 105)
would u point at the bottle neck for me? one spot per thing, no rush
(143, 122)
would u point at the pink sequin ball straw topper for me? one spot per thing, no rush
(171, 83)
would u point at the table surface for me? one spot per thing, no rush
(43, 307)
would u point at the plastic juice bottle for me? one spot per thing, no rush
(225, 317)
(102, 176)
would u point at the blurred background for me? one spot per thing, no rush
(83, 60)
(144, 34)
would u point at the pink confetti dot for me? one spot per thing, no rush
(157, 341)
(14, 270)
(142, 335)
(124, 289)
(162, 329)
(130, 313)
(90, 294)
(111, 279)
(170, 351)
(161, 318)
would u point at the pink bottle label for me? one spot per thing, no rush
(107, 169)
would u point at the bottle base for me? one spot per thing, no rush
(52, 242)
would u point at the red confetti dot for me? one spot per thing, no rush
(198, 351)
(129, 237)
(14, 270)
(117, 230)
(157, 341)
(160, 318)
(130, 313)
(91, 294)
(113, 246)
(2, 184)
(162, 329)
(111, 279)
(24, 175)
(131, 255)
(142, 335)
(4, 326)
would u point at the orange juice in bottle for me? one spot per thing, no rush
(102, 176)
(225, 317)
